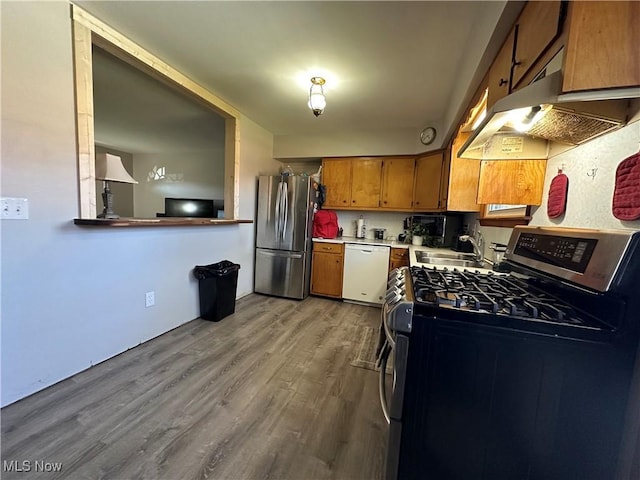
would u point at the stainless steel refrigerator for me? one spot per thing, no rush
(283, 236)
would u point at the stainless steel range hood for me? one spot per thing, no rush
(570, 119)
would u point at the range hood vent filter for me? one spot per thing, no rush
(571, 119)
(571, 128)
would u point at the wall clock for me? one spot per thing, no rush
(428, 135)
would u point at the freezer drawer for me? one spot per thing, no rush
(365, 273)
(282, 273)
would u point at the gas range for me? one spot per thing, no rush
(566, 282)
(508, 301)
(542, 357)
(504, 295)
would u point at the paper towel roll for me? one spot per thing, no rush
(360, 228)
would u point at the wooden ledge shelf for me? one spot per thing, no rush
(154, 222)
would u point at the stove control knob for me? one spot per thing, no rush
(391, 293)
(393, 299)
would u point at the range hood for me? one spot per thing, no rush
(569, 119)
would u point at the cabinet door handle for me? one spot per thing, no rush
(502, 82)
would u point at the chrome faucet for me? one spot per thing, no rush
(478, 245)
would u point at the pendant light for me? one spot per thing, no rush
(317, 101)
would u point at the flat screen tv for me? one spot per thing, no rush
(188, 207)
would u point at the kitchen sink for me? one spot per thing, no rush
(464, 260)
(423, 256)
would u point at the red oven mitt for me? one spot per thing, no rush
(557, 201)
(626, 195)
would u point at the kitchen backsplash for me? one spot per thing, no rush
(591, 169)
(390, 221)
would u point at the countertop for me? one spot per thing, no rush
(412, 249)
(364, 241)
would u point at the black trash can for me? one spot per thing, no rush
(218, 283)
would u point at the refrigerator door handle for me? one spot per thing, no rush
(285, 197)
(281, 253)
(278, 215)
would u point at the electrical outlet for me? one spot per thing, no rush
(150, 299)
(14, 208)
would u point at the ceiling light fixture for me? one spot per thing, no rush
(317, 101)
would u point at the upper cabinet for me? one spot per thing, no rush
(427, 183)
(365, 182)
(462, 179)
(432, 182)
(602, 45)
(352, 183)
(600, 41)
(539, 24)
(500, 71)
(536, 28)
(397, 183)
(336, 174)
(512, 182)
(368, 183)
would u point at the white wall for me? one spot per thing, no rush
(187, 175)
(404, 141)
(71, 296)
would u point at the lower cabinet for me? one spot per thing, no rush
(399, 257)
(326, 269)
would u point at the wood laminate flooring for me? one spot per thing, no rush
(267, 393)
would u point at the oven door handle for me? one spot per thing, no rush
(382, 386)
(387, 330)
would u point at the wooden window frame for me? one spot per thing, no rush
(89, 31)
(508, 217)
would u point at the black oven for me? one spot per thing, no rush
(527, 375)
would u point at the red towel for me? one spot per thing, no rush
(626, 195)
(558, 195)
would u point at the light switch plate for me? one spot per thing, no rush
(14, 208)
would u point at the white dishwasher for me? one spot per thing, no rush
(365, 274)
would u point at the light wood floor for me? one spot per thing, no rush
(267, 393)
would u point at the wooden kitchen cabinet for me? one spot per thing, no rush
(352, 183)
(462, 178)
(398, 257)
(536, 28)
(500, 71)
(511, 182)
(538, 25)
(602, 45)
(336, 176)
(365, 182)
(427, 182)
(397, 183)
(326, 269)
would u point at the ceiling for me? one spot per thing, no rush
(388, 64)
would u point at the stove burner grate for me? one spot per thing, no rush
(487, 292)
